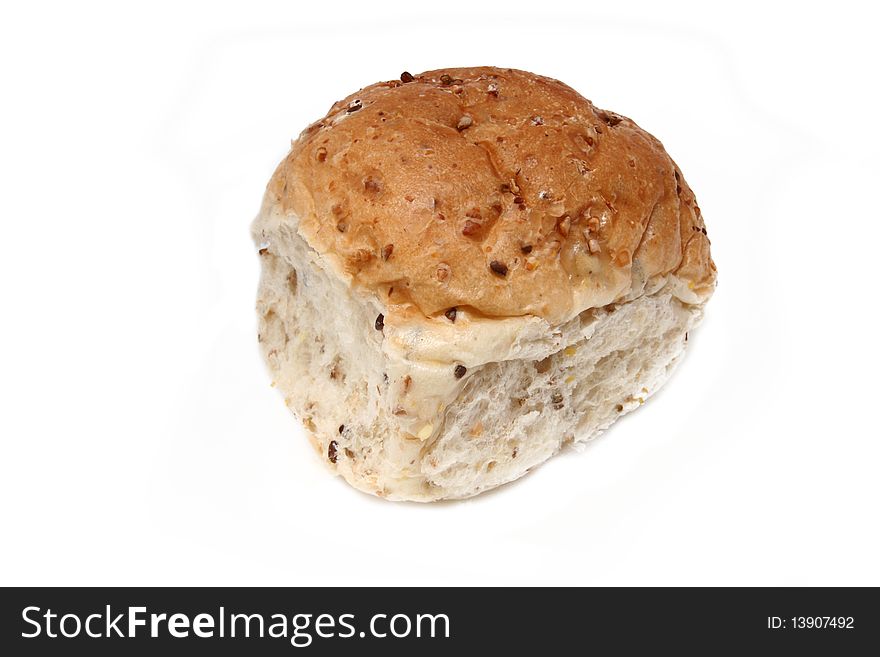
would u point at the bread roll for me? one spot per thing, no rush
(467, 270)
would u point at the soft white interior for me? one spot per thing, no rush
(515, 414)
(397, 423)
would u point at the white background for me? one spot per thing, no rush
(141, 442)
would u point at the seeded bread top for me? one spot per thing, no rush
(494, 191)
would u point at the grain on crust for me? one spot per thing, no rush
(430, 188)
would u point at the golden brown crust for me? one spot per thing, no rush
(493, 189)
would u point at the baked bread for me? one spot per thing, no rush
(466, 270)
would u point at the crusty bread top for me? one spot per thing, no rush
(496, 191)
